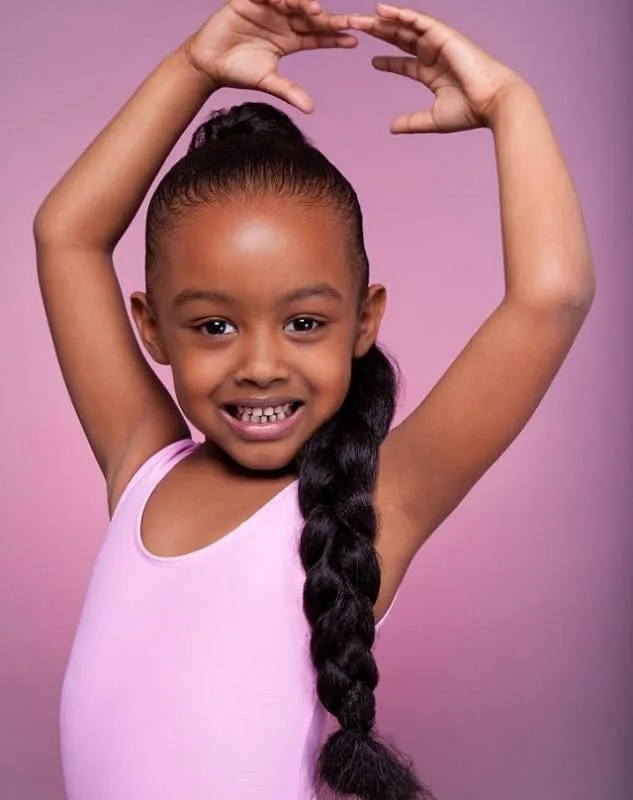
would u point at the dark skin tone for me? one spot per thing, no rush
(259, 341)
(432, 459)
(259, 344)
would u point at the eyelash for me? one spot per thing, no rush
(317, 324)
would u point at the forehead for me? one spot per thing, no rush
(256, 249)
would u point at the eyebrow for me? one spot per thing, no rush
(324, 290)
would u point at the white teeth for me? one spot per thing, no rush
(262, 415)
(258, 411)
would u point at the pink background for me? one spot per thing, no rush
(506, 664)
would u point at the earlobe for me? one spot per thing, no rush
(145, 321)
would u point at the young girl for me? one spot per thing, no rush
(235, 597)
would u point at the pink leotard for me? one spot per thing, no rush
(190, 677)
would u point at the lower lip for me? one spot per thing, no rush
(262, 431)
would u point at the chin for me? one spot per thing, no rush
(260, 457)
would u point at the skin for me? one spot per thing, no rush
(429, 462)
(259, 345)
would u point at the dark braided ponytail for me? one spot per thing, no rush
(255, 148)
(337, 472)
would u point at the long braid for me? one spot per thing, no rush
(337, 473)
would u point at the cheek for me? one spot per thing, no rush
(195, 371)
(329, 373)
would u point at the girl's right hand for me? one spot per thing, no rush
(241, 44)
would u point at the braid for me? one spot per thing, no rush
(337, 471)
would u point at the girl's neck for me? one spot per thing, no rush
(210, 451)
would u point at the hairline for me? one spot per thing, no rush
(166, 221)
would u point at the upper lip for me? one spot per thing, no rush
(261, 402)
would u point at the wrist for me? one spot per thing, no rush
(187, 58)
(510, 101)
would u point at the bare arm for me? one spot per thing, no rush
(496, 383)
(125, 411)
(112, 387)
(485, 398)
(93, 204)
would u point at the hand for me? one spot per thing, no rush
(466, 81)
(241, 44)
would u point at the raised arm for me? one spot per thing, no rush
(113, 389)
(121, 404)
(495, 384)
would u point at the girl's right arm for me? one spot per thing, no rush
(121, 404)
(112, 387)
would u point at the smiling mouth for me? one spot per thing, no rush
(265, 414)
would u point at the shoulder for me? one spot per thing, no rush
(145, 444)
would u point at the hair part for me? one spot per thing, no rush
(252, 151)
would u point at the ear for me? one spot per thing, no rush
(370, 317)
(146, 322)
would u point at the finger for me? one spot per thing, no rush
(320, 22)
(288, 5)
(293, 7)
(391, 32)
(399, 65)
(408, 16)
(433, 33)
(285, 89)
(309, 14)
(324, 40)
(418, 121)
(415, 122)
(305, 6)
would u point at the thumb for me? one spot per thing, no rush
(415, 122)
(283, 88)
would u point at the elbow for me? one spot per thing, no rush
(37, 226)
(568, 297)
(52, 226)
(579, 299)
(578, 303)
(42, 228)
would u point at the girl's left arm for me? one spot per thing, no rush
(479, 406)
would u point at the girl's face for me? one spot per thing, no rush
(256, 308)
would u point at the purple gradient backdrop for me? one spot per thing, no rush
(506, 664)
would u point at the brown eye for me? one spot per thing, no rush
(216, 327)
(304, 324)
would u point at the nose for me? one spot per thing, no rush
(261, 361)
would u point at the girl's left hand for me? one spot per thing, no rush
(466, 81)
